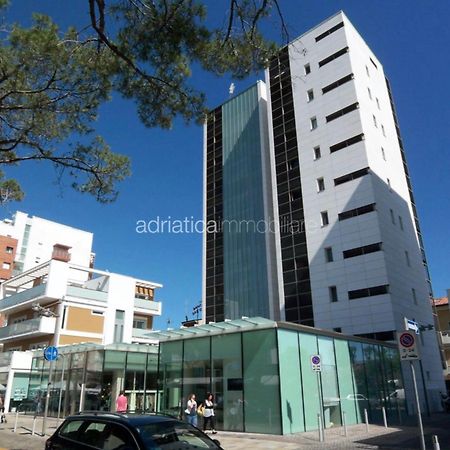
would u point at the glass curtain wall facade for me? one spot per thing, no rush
(86, 378)
(263, 381)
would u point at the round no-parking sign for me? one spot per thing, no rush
(407, 346)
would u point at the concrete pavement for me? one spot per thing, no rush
(397, 438)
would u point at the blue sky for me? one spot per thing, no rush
(411, 39)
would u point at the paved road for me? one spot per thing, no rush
(378, 438)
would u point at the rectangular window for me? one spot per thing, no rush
(320, 184)
(337, 329)
(365, 250)
(368, 292)
(9, 250)
(347, 143)
(317, 153)
(414, 295)
(356, 212)
(328, 32)
(400, 221)
(408, 262)
(342, 112)
(307, 69)
(367, 71)
(383, 131)
(97, 313)
(370, 93)
(324, 218)
(333, 56)
(374, 121)
(328, 254)
(333, 294)
(351, 176)
(313, 123)
(378, 103)
(392, 216)
(310, 95)
(337, 83)
(383, 153)
(6, 265)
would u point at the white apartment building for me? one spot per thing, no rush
(348, 250)
(36, 238)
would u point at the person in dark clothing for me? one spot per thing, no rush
(208, 413)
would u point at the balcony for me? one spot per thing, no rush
(90, 294)
(30, 328)
(150, 306)
(445, 337)
(27, 295)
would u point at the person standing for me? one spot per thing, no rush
(121, 403)
(208, 413)
(2, 409)
(191, 410)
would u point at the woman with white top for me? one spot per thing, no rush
(208, 413)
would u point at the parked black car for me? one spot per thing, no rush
(110, 431)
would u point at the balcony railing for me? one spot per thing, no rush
(5, 358)
(38, 326)
(445, 337)
(149, 305)
(91, 294)
(23, 296)
(140, 332)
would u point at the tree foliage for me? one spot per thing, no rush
(52, 82)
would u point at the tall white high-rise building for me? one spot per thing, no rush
(346, 252)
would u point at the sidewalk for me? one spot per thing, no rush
(398, 438)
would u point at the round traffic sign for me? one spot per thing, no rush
(51, 353)
(407, 340)
(315, 359)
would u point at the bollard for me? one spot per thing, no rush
(319, 422)
(366, 419)
(344, 420)
(34, 426)
(383, 410)
(17, 418)
(436, 445)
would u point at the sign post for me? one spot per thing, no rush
(50, 354)
(409, 351)
(316, 366)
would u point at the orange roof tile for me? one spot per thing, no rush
(440, 301)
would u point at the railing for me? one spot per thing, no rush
(150, 305)
(445, 337)
(5, 358)
(140, 332)
(41, 325)
(23, 296)
(91, 294)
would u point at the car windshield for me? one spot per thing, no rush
(173, 436)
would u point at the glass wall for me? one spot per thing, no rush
(170, 375)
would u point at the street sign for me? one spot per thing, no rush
(51, 353)
(407, 346)
(412, 325)
(316, 363)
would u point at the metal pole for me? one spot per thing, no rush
(82, 393)
(344, 420)
(34, 426)
(399, 412)
(60, 389)
(47, 397)
(436, 445)
(319, 422)
(366, 419)
(322, 421)
(383, 410)
(419, 417)
(17, 418)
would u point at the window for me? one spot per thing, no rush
(356, 212)
(140, 323)
(368, 292)
(383, 131)
(370, 93)
(19, 319)
(328, 32)
(307, 68)
(364, 250)
(310, 95)
(324, 218)
(389, 183)
(337, 83)
(97, 313)
(337, 329)
(351, 176)
(367, 71)
(347, 143)
(374, 121)
(313, 123)
(333, 294)
(408, 262)
(392, 216)
(414, 295)
(378, 103)
(400, 221)
(373, 62)
(383, 154)
(9, 250)
(6, 265)
(328, 254)
(317, 153)
(333, 56)
(342, 112)
(320, 184)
